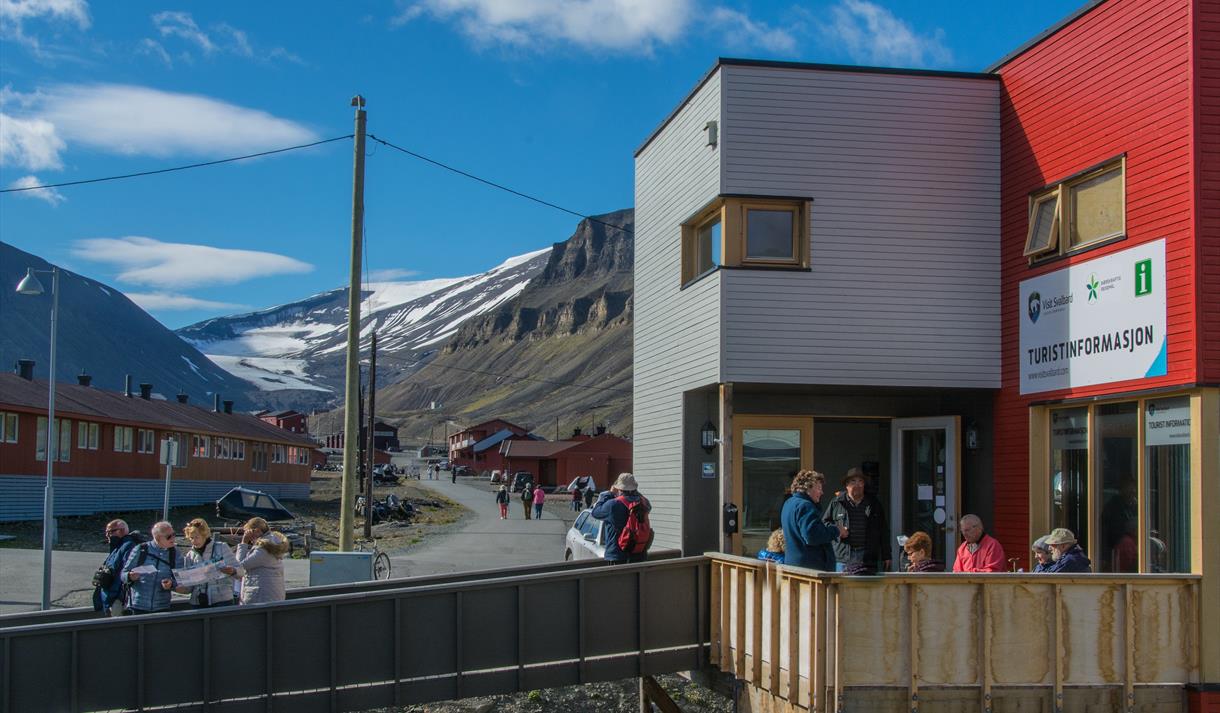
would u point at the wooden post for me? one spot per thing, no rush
(651, 694)
(351, 438)
(1204, 529)
(372, 447)
(730, 544)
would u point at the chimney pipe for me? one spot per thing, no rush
(228, 406)
(601, 430)
(127, 386)
(183, 398)
(84, 379)
(146, 391)
(216, 403)
(576, 431)
(25, 369)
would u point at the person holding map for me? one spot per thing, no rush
(209, 568)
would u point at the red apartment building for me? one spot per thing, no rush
(288, 420)
(478, 446)
(556, 463)
(109, 444)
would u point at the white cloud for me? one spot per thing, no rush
(589, 24)
(30, 143)
(15, 13)
(50, 195)
(146, 261)
(152, 47)
(134, 120)
(744, 32)
(181, 24)
(167, 301)
(872, 34)
(391, 273)
(220, 38)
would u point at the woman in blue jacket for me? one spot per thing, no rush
(807, 539)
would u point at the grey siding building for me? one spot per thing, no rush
(817, 286)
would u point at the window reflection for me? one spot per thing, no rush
(1070, 472)
(1119, 492)
(1167, 474)
(770, 458)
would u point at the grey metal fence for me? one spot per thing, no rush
(370, 648)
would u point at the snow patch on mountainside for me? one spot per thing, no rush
(268, 373)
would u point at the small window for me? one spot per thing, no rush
(770, 234)
(1084, 210)
(8, 427)
(82, 437)
(146, 441)
(701, 244)
(1043, 224)
(122, 439)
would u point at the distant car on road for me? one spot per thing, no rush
(521, 479)
(585, 539)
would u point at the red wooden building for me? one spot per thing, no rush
(478, 446)
(288, 420)
(556, 463)
(109, 444)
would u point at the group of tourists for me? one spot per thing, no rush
(140, 575)
(532, 500)
(852, 534)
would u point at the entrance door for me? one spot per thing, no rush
(924, 496)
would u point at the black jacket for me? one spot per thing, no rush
(877, 532)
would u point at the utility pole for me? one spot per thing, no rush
(372, 457)
(351, 413)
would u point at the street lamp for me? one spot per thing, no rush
(30, 285)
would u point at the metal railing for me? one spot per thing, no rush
(816, 640)
(376, 647)
(55, 616)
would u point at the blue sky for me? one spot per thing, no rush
(547, 96)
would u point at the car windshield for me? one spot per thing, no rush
(580, 521)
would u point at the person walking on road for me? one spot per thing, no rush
(453, 476)
(539, 499)
(502, 501)
(107, 585)
(624, 510)
(527, 499)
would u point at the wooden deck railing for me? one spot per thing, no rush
(808, 637)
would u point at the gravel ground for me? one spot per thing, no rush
(613, 697)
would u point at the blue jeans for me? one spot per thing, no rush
(537, 512)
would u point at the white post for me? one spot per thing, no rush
(52, 452)
(169, 454)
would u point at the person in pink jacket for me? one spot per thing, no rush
(979, 552)
(539, 499)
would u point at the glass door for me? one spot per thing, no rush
(924, 453)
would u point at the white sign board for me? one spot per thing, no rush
(1167, 422)
(1069, 429)
(169, 452)
(1095, 322)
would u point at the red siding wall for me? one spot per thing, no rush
(20, 459)
(1207, 183)
(1115, 80)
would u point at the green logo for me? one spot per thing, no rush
(1143, 277)
(1092, 284)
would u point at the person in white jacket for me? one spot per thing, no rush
(206, 549)
(259, 555)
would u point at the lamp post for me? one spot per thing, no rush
(30, 285)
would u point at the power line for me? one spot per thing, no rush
(175, 168)
(502, 187)
(553, 382)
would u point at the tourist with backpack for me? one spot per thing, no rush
(148, 574)
(107, 584)
(628, 529)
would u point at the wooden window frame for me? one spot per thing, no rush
(742, 237)
(8, 435)
(1065, 213)
(733, 212)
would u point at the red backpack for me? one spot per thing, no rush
(636, 535)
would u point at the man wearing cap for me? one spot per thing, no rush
(1066, 555)
(979, 552)
(868, 530)
(611, 508)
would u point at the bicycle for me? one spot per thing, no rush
(381, 561)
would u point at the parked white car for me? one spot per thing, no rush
(585, 538)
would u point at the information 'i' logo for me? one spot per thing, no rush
(1143, 277)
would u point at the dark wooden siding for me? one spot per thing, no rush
(1207, 183)
(1116, 80)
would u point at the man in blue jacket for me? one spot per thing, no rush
(1066, 555)
(611, 510)
(107, 585)
(808, 539)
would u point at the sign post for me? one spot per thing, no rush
(169, 456)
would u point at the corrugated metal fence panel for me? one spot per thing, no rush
(367, 649)
(21, 495)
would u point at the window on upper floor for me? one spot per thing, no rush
(8, 428)
(1082, 211)
(745, 232)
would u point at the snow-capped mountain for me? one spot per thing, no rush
(299, 347)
